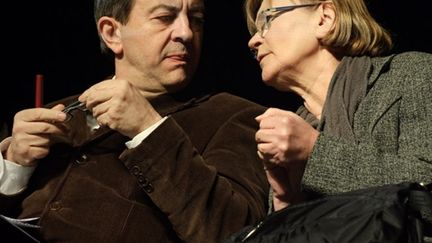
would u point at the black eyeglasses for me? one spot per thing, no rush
(265, 17)
(77, 105)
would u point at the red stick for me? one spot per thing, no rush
(39, 90)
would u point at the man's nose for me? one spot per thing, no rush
(182, 29)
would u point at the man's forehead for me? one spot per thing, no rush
(175, 3)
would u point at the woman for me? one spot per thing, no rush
(366, 118)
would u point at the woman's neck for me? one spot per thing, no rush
(313, 86)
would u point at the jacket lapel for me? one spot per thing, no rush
(380, 98)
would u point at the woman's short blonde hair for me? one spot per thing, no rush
(355, 33)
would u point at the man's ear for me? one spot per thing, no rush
(327, 19)
(109, 31)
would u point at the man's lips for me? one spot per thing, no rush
(178, 57)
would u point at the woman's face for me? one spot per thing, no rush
(289, 42)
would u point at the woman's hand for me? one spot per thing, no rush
(285, 142)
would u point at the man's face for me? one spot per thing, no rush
(161, 43)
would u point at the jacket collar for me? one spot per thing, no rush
(379, 65)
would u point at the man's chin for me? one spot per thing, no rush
(175, 80)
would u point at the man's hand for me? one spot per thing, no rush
(34, 131)
(120, 106)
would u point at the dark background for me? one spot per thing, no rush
(58, 39)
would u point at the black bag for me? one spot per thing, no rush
(392, 213)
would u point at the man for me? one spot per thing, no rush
(151, 166)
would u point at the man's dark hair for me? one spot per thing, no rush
(118, 9)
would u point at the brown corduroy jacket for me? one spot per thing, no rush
(196, 178)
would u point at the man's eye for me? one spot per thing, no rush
(197, 21)
(166, 18)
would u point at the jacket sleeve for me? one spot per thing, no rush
(394, 147)
(209, 195)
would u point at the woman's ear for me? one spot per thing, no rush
(327, 19)
(109, 31)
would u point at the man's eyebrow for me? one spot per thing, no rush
(165, 7)
(194, 8)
